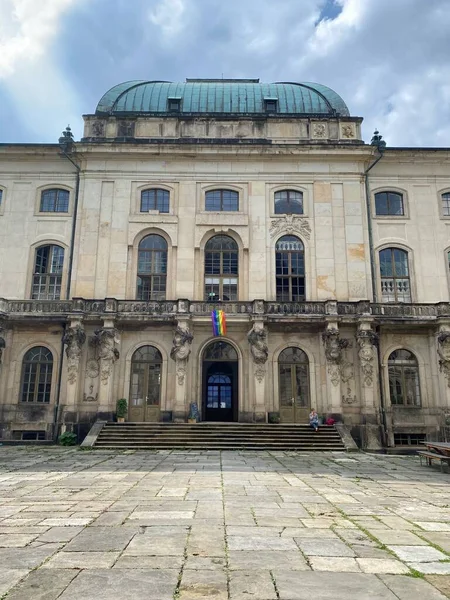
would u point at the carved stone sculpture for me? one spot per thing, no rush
(367, 340)
(443, 350)
(105, 340)
(74, 338)
(334, 347)
(290, 224)
(181, 350)
(257, 338)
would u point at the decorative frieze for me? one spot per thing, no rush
(334, 347)
(181, 349)
(104, 341)
(257, 339)
(443, 350)
(367, 341)
(73, 339)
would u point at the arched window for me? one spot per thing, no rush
(221, 351)
(152, 268)
(389, 204)
(37, 369)
(155, 199)
(293, 377)
(288, 202)
(394, 271)
(221, 200)
(55, 200)
(221, 268)
(404, 388)
(445, 199)
(290, 269)
(47, 273)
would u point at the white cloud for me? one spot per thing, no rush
(41, 94)
(169, 16)
(26, 29)
(388, 59)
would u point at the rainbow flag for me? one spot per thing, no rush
(219, 322)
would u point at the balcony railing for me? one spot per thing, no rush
(169, 309)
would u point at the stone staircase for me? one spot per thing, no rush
(214, 436)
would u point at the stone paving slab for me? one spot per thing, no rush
(223, 525)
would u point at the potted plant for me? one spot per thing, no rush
(274, 417)
(121, 409)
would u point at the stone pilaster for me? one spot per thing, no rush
(74, 339)
(259, 352)
(333, 354)
(105, 340)
(180, 352)
(369, 390)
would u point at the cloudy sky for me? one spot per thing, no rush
(389, 59)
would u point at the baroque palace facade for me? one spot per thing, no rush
(330, 258)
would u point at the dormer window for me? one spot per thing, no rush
(174, 104)
(271, 105)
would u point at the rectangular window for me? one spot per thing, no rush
(446, 205)
(409, 439)
(271, 105)
(389, 204)
(55, 201)
(174, 105)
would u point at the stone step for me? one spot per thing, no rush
(218, 436)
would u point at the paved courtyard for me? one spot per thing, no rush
(221, 525)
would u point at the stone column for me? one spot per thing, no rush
(180, 352)
(105, 341)
(368, 348)
(259, 351)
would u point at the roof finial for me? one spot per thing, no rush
(66, 140)
(377, 140)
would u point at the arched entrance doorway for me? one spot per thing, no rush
(145, 384)
(293, 379)
(220, 382)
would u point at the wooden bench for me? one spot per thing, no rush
(429, 456)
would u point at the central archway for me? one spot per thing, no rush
(220, 382)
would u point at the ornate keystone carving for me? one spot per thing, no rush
(334, 347)
(443, 350)
(367, 340)
(74, 338)
(104, 341)
(257, 339)
(290, 224)
(181, 350)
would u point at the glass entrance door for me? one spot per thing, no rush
(220, 382)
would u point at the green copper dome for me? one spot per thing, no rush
(221, 96)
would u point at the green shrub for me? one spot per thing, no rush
(274, 417)
(121, 408)
(67, 439)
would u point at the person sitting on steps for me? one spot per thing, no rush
(314, 419)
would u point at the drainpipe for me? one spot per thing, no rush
(66, 146)
(380, 144)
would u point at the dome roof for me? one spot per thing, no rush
(221, 96)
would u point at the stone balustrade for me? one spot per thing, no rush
(172, 309)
